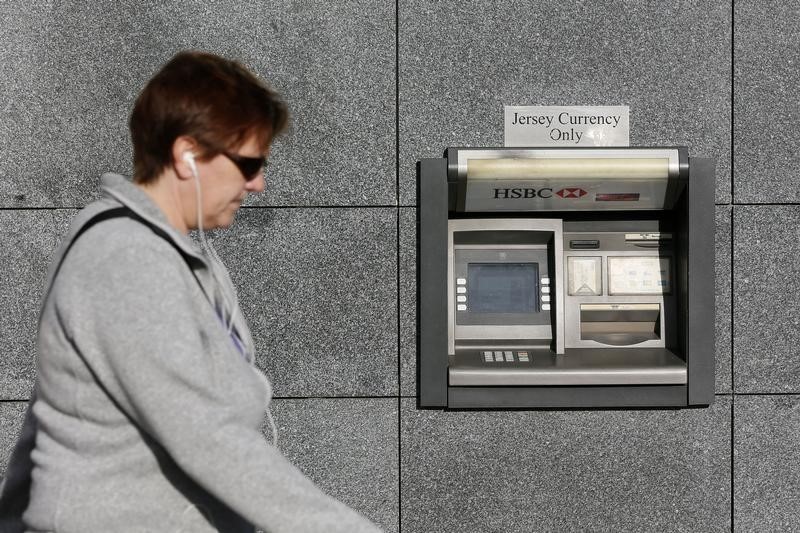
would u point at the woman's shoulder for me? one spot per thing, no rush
(122, 252)
(120, 239)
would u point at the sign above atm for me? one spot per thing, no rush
(567, 126)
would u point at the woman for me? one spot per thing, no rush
(147, 406)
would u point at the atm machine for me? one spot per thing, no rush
(565, 278)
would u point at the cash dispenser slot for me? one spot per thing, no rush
(620, 324)
(563, 278)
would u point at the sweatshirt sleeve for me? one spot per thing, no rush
(137, 328)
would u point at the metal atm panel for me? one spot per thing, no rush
(560, 278)
(620, 290)
(503, 243)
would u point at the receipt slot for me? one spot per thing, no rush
(563, 278)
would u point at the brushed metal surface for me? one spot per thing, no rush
(574, 367)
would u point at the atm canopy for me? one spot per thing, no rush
(565, 179)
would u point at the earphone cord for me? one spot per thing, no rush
(214, 258)
(231, 309)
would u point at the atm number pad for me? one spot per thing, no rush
(505, 356)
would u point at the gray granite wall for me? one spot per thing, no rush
(325, 258)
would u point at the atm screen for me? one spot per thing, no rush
(503, 287)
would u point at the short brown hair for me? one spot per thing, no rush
(214, 100)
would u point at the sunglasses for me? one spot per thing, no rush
(250, 167)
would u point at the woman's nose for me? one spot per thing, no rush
(256, 184)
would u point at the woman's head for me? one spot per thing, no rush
(214, 101)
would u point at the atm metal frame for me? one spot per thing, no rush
(440, 198)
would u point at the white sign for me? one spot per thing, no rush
(567, 126)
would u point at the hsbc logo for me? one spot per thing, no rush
(571, 192)
(523, 193)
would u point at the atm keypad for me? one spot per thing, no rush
(505, 356)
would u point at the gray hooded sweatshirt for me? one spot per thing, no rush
(147, 412)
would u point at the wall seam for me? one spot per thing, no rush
(732, 262)
(765, 204)
(733, 110)
(397, 203)
(732, 296)
(245, 207)
(370, 397)
(376, 206)
(744, 394)
(413, 397)
(733, 429)
(399, 385)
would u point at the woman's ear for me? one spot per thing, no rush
(184, 153)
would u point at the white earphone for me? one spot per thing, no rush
(189, 158)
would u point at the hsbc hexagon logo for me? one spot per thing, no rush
(571, 192)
